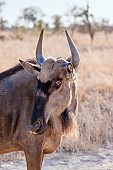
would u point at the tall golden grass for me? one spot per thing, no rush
(95, 81)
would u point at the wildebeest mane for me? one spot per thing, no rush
(14, 70)
(68, 121)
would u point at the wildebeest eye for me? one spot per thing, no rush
(56, 84)
(70, 68)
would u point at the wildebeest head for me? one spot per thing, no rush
(54, 77)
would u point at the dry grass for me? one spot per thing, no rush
(95, 82)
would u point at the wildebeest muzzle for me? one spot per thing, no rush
(38, 126)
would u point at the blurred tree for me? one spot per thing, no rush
(39, 25)
(74, 14)
(104, 26)
(31, 15)
(86, 20)
(2, 3)
(82, 15)
(3, 23)
(57, 23)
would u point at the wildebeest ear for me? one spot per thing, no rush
(30, 68)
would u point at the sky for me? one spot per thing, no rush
(100, 8)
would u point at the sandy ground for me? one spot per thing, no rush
(101, 160)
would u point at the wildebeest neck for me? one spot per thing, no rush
(14, 70)
(41, 98)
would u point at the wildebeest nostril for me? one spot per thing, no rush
(37, 127)
(34, 128)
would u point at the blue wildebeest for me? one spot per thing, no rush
(41, 102)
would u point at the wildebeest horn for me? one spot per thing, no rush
(39, 51)
(74, 51)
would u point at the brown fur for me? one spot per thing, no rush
(17, 92)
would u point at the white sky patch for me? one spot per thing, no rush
(100, 8)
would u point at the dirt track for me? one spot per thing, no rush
(102, 160)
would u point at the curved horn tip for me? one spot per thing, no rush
(67, 34)
(39, 50)
(41, 35)
(74, 51)
(66, 31)
(42, 31)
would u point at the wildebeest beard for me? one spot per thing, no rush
(37, 121)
